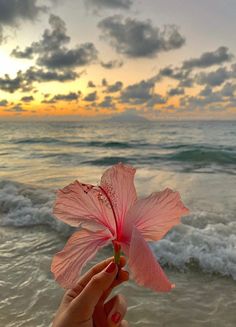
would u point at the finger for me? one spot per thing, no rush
(115, 309)
(114, 302)
(123, 276)
(84, 280)
(90, 295)
(124, 323)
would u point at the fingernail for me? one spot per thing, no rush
(116, 317)
(111, 267)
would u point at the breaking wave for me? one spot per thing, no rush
(203, 240)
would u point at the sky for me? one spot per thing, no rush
(90, 59)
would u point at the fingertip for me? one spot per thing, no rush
(123, 275)
(122, 261)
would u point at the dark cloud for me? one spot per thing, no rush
(91, 97)
(206, 91)
(9, 84)
(11, 11)
(117, 86)
(176, 91)
(91, 84)
(14, 11)
(138, 93)
(174, 73)
(3, 103)
(156, 99)
(15, 109)
(27, 98)
(208, 99)
(113, 4)
(208, 59)
(214, 78)
(178, 74)
(107, 103)
(104, 82)
(64, 58)
(27, 53)
(135, 38)
(112, 64)
(39, 75)
(52, 52)
(228, 90)
(24, 81)
(72, 96)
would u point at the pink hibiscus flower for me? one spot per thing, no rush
(109, 213)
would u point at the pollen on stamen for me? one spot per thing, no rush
(101, 197)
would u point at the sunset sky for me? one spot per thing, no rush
(86, 59)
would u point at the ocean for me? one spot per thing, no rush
(197, 158)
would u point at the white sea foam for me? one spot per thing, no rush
(22, 206)
(203, 239)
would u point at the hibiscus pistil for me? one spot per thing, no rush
(116, 245)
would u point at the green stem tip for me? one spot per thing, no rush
(117, 252)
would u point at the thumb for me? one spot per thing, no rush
(89, 297)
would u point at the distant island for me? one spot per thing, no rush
(121, 118)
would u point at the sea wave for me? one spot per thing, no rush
(160, 153)
(184, 159)
(202, 240)
(56, 141)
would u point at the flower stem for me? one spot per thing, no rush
(117, 252)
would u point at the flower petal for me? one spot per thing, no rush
(155, 215)
(81, 247)
(118, 183)
(83, 203)
(144, 267)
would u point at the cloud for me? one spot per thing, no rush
(208, 59)
(208, 99)
(214, 78)
(34, 74)
(12, 84)
(228, 90)
(1, 34)
(176, 91)
(3, 103)
(113, 4)
(156, 99)
(72, 96)
(107, 102)
(27, 53)
(14, 10)
(175, 73)
(117, 86)
(52, 52)
(16, 109)
(104, 82)
(24, 81)
(91, 84)
(63, 58)
(135, 38)
(112, 64)
(141, 93)
(91, 97)
(27, 98)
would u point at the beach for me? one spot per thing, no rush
(197, 158)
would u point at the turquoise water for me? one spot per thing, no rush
(196, 158)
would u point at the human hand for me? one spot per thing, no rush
(84, 306)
